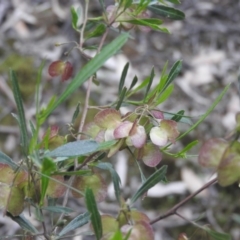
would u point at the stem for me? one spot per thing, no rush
(86, 105)
(174, 209)
(84, 24)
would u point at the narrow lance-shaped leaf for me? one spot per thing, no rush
(21, 114)
(125, 4)
(48, 166)
(75, 16)
(165, 95)
(163, 78)
(76, 112)
(176, 68)
(161, 83)
(77, 222)
(74, 149)
(88, 70)
(167, 12)
(115, 177)
(187, 148)
(178, 116)
(150, 80)
(23, 223)
(97, 32)
(174, 1)
(217, 235)
(156, 177)
(121, 98)
(123, 78)
(93, 210)
(7, 160)
(38, 86)
(149, 22)
(134, 81)
(143, 178)
(142, 85)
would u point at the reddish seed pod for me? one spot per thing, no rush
(60, 68)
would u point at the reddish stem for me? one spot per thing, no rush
(174, 209)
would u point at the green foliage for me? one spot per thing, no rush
(77, 222)
(7, 160)
(88, 70)
(167, 12)
(156, 177)
(75, 14)
(21, 115)
(48, 166)
(53, 165)
(115, 177)
(23, 223)
(94, 213)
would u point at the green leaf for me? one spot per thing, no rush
(88, 70)
(21, 114)
(178, 116)
(165, 95)
(163, 78)
(117, 236)
(217, 235)
(146, 21)
(156, 177)
(187, 148)
(176, 68)
(106, 145)
(77, 222)
(75, 149)
(149, 22)
(23, 223)
(143, 178)
(123, 78)
(93, 210)
(75, 114)
(115, 177)
(134, 81)
(75, 14)
(58, 209)
(142, 85)
(42, 115)
(174, 1)
(97, 32)
(125, 4)
(48, 166)
(7, 160)
(150, 80)
(121, 98)
(161, 83)
(184, 119)
(167, 12)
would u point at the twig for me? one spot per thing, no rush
(84, 24)
(174, 209)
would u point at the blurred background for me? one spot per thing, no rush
(207, 42)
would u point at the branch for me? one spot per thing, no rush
(174, 209)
